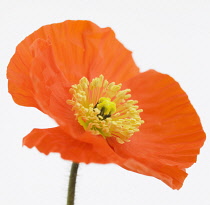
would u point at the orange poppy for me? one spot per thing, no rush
(100, 119)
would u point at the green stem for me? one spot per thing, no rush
(72, 183)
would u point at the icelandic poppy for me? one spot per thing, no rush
(107, 111)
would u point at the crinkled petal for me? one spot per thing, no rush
(80, 48)
(51, 89)
(170, 175)
(56, 140)
(171, 137)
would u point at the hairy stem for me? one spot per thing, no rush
(72, 183)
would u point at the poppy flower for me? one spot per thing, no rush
(107, 111)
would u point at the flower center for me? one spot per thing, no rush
(103, 109)
(106, 107)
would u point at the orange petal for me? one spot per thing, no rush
(172, 135)
(170, 175)
(19, 82)
(80, 48)
(51, 89)
(56, 140)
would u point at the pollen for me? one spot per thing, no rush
(102, 108)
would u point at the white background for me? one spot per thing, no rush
(170, 36)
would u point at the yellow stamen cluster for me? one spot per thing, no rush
(103, 109)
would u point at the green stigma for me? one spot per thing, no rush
(106, 106)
